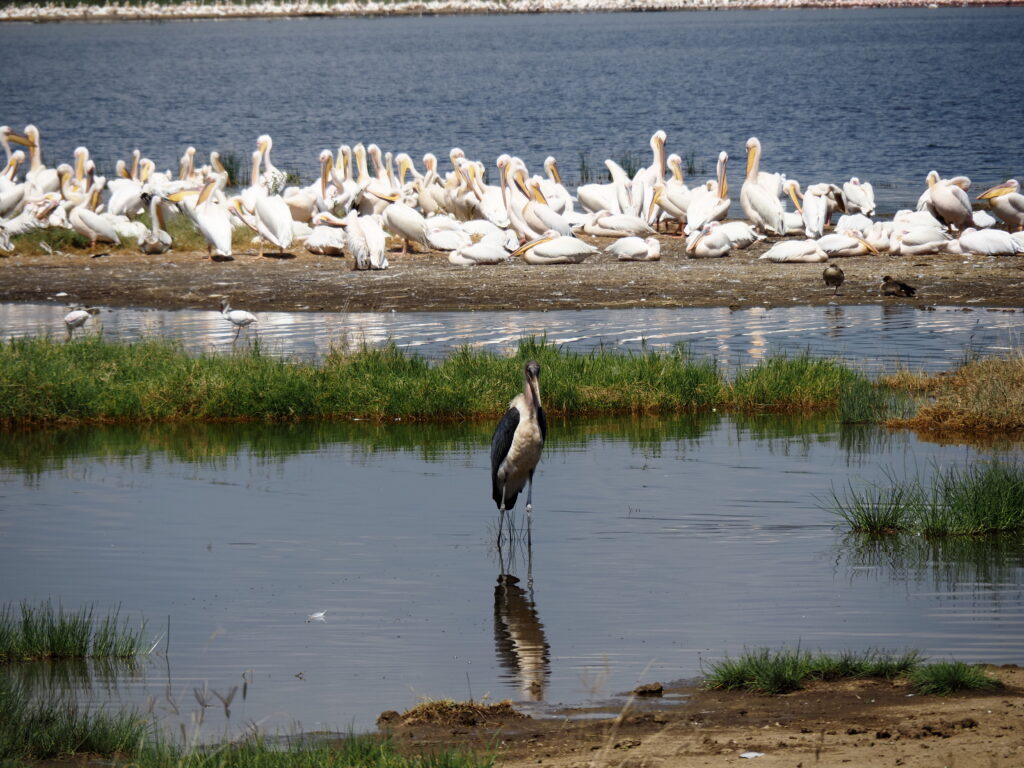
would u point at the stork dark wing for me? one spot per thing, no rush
(543, 421)
(501, 442)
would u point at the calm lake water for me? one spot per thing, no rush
(657, 543)
(886, 95)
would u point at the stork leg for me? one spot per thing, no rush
(501, 520)
(529, 514)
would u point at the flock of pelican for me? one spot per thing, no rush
(351, 208)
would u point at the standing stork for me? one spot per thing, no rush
(237, 317)
(516, 446)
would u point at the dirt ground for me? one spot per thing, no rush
(426, 281)
(866, 724)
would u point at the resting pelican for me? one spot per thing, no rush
(209, 216)
(741, 234)
(605, 224)
(833, 277)
(270, 218)
(77, 317)
(859, 197)
(710, 203)
(85, 221)
(328, 236)
(553, 248)
(853, 222)
(671, 200)
(790, 251)
(407, 223)
(950, 201)
(812, 206)
(762, 207)
(848, 244)
(635, 249)
(237, 317)
(366, 241)
(516, 447)
(918, 241)
(1007, 203)
(304, 202)
(484, 252)
(710, 243)
(989, 242)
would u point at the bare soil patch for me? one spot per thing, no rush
(426, 281)
(865, 723)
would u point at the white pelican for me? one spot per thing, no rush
(553, 248)
(273, 179)
(789, 251)
(635, 249)
(847, 244)
(156, 240)
(989, 242)
(366, 241)
(328, 236)
(833, 276)
(516, 446)
(950, 201)
(484, 252)
(553, 189)
(711, 242)
(918, 241)
(741, 234)
(304, 202)
(1007, 202)
(859, 197)
(605, 224)
(237, 317)
(812, 206)
(762, 207)
(270, 218)
(35, 215)
(537, 214)
(77, 317)
(671, 200)
(85, 221)
(853, 222)
(40, 178)
(209, 216)
(406, 223)
(709, 203)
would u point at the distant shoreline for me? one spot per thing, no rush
(153, 11)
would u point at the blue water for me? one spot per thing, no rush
(886, 95)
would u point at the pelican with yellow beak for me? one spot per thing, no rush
(85, 221)
(209, 215)
(40, 178)
(1007, 203)
(554, 248)
(711, 242)
(847, 244)
(763, 209)
(710, 202)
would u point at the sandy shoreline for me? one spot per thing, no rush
(152, 11)
(300, 281)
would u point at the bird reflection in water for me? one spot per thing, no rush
(835, 321)
(519, 637)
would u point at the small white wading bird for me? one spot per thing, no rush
(318, 616)
(516, 447)
(77, 317)
(237, 317)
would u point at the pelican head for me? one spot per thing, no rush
(753, 156)
(675, 163)
(1006, 188)
(551, 166)
(932, 178)
(723, 182)
(792, 188)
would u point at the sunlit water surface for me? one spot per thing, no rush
(657, 544)
(876, 337)
(884, 94)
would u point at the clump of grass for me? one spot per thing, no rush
(40, 730)
(942, 678)
(785, 670)
(970, 501)
(982, 395)
(795, 383)
(451, 712)
(42, 631)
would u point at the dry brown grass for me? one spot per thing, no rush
(450, 712)
(983, 396)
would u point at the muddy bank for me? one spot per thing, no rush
(866, 723)
(426, 281)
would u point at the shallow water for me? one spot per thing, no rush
(657, 543)
(877, 337)
(883, 94)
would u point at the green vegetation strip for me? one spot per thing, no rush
(36, 632)
(976, 500)
(785, 670)
(45, 381)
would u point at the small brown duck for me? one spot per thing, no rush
(892, 287)
(833, 277)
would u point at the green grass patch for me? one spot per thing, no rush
(785, 670)
(40, 730)
(958, 501)
(942, 678)
(89, 380)
(44, 631)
